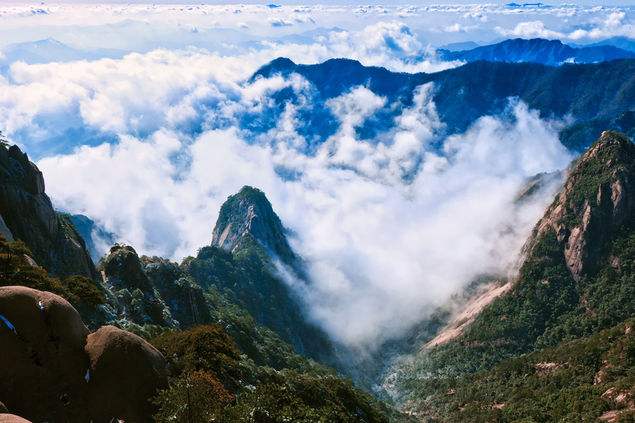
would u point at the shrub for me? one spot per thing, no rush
(196, 397)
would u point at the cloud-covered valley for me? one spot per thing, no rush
(149, 143)
(390, 225)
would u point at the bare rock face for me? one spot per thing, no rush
(43, 361)
(597, 199)
(27, 214)
(137, 299)
(125, 373)
(248, 216)
(52, 370)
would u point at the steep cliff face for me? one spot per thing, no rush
(97, 239)
(248, 216)
(597, 199)
(542, 338)
(28, 215)
(248, 245)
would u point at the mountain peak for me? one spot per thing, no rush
(248, 216)
(278, 65)
(597, 199)
(537, 50)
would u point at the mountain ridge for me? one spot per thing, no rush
(537, 50)
(27, 213)
(575, 281)
(589, 97)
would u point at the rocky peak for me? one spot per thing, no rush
(137, 299)
(122, 268)
(27, 214)
(248, 216)
(596, 200)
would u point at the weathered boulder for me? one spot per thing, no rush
(10, 418)
(43, 360)
(125, 373)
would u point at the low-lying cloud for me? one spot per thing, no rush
(150, 146)
(390, 226)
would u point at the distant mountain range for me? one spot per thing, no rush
(538, 50)
(50, 50)
(592, 97)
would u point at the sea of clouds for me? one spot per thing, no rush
(151, 138)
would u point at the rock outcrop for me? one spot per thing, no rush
(137, 300)
(10, 418)
(53, 370)
(246, 217)
(27, 214)
(182, 295)
(125, 372)
(43, 361)
(250, 258)
(596, 200)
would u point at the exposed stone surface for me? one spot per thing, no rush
(248, 214)
(597, 198)
(136, 298)
(469, 311)
(262, 261)
(43, 360)
(28, 214)
(53, 370)
(125, 373)
(10, 418)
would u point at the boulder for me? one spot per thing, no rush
(10, 418)
(125, 373)
(43, 359)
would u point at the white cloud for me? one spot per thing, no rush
(382, 251)
(533, 29)
(614, 24)
(390, 225)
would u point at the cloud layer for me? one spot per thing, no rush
(390, 226)
(150, 143)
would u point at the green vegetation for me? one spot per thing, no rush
(536, 353)
(289, 396)
(213, 381)
(243, 285)
(196, 397)
(17, 268)
(202, 348)
(577, 381)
